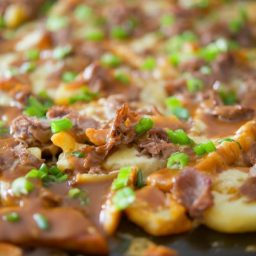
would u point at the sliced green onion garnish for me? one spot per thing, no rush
(174, 59)
(12, 217)
(85, 95)
(175, 107)
(149, 63)
(78, 154)
(61, 52)
(122, 77)
(35, 108)
(69, 76)
(176, 43)
(3, 129)
(122, 178)
(167, 20)
(55, 23)
(60, 125)
(228, 97)
(2, 22)
(179, 137)
(206, 70)
(230, 140)
(236, 25)
(27, 67)
(32, 54)
(21, 186)
(110, 60)
(181, 113)
(177, 160)
(94, 34)
(144, 125)
(74, 192)
(212, 50)
(119, 33)
(140, 179)
(123, 198)
(83, 12)
(204, 148)
(41, 221)
(194, 84)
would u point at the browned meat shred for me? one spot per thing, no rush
(156, 144)
(193, 189)
(35, 132)
(233, 113)
(15, 159)
(121, 132)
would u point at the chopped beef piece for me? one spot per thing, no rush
(98, 78)
(248, 188)
(122, 128)
(35, 132)
(193, 189)
(245, 37)
(156, 144)
(222, 66)
(15, 159)
(233, 113)
(121, 131)
(57, 112)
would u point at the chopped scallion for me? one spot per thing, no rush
(149, 64)
(177, 160)
(110, 60)
(61, 52)
(12, 217)
(78, 154)
(83, 12)
(204, 148)
(119, 33)
(144, 125)
(179, 137)
(68, 76)
(21, 186)
(194, 84)
(41, 221)
(123, 198)
(60, 125)
(32, 54)
(94, 34)
(55, 23)
(122, 178)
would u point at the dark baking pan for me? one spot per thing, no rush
(199, 242)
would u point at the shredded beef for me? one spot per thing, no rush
(156, 144)
(193, 189)
(15, 159)
(122, 128)
(121, 131)
(233, 113)
(248, 189)
(222, 66)
(35, 132)
(57, 112)
(98, 78)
